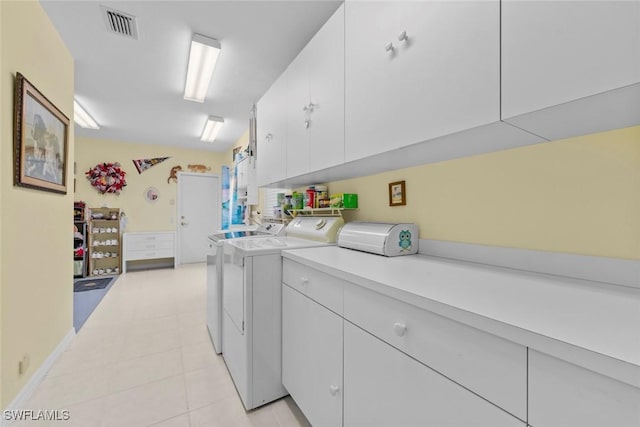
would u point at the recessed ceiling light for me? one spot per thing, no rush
(82, 118)
(203, 56)
(211, 128)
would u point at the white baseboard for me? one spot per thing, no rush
(599, 269)
(27, 391)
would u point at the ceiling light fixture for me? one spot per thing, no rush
(211, 128)
(82, 118)
(203, 56)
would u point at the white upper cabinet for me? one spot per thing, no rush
(586, 53)
(326, 94)
(272, 134)
(315, 101)
(297, 119)
(415, 71)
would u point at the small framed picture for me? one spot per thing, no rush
(397, 194)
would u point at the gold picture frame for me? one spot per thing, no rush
(397, 193)
(41, 140)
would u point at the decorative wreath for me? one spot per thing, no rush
(107, 178)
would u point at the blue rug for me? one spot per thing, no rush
(91, 284)
(87, 298)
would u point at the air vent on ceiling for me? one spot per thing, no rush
(120, 22)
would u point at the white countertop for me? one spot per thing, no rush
(588, 323)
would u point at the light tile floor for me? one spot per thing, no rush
(144, 358)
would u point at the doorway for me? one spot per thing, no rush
(198, 214)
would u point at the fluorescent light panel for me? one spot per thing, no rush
(203, 56)
(211, 128)
(82, 118)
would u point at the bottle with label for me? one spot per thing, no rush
(310, 198)
(322, 196)
(297, 200)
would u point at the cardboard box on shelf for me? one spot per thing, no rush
(344, 200)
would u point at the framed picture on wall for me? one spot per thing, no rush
(397, 194)
(41, 140)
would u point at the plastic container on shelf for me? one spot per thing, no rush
(297, 200)
(322, 196)
(310, 198)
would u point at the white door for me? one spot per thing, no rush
(198, 214)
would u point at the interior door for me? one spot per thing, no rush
(198, 214)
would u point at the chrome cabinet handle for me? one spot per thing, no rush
(402, 36)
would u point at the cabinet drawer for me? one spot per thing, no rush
(140, 245)
(562, 394)
(149, 237)
(133, 255)
(320, 287)
(487, 365)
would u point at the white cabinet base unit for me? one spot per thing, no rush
(148, 246)
(565, 395)
(403, 365)
(312, 358)
(385, 387)
(434, 342)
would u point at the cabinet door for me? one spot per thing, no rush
(297, 117)
(384, 387)
(326, 92)
(558, 51)
(565, 395)
(312, 358)
(271, 134)
(442, 78)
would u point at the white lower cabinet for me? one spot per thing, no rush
(565, 395)
(312, 358)
(385, 387)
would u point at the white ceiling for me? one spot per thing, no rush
(134, 88)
